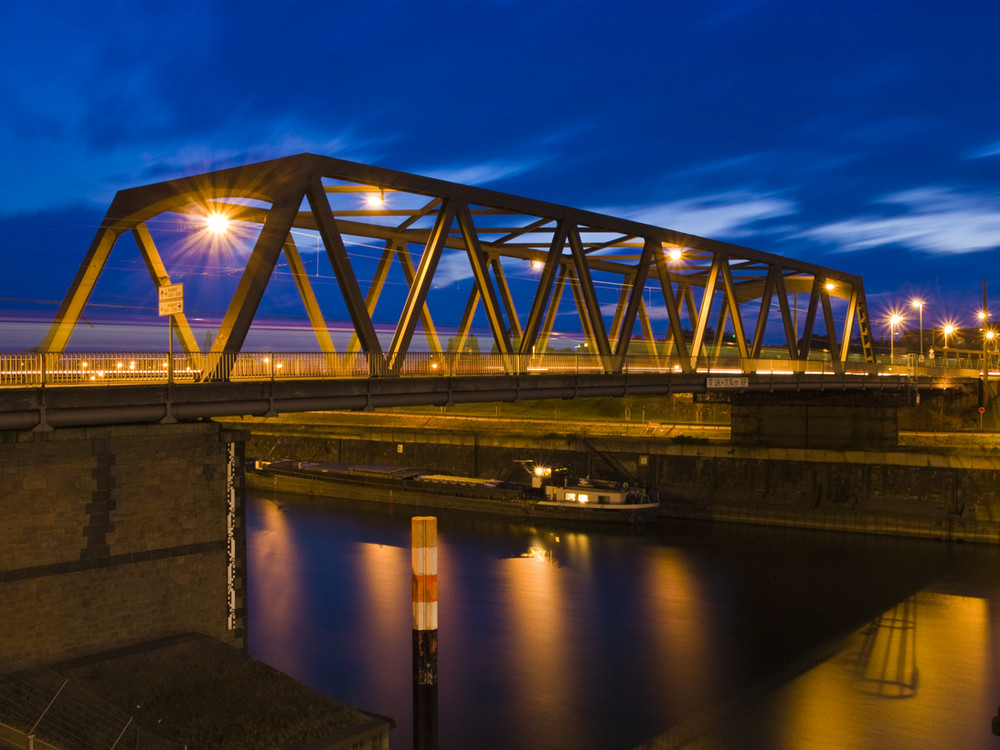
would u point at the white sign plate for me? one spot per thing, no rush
(722, 383)
(172, 299)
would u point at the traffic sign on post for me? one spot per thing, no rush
(172, 299)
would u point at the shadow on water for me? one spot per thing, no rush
(666, 635)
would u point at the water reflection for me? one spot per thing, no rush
(555, 637)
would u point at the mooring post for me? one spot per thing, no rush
(425, 635)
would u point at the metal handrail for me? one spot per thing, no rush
(117, 368)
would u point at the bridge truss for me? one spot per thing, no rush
(634, 288)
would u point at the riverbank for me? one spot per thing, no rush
(930, 487)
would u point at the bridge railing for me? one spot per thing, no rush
(76, 368)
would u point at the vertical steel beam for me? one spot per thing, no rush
(243, 306)
(79, 291)
(421, 285)
(481, 275)
(298, 269)
(342, 269)
(592, 308)
(544, 289)
(158, 273)
(409, 273)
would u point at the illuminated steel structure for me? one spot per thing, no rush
(699, 281)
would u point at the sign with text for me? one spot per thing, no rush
(726, 383)
(172, 299)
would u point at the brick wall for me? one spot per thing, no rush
(114, 536)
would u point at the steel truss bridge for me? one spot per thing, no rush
(718, 299)
(707, 314)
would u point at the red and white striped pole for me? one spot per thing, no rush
(425, 635)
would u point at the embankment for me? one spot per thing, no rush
(912, 491)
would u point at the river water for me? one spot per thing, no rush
(682, 635)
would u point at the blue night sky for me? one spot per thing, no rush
(859, 135)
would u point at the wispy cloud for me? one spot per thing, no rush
(985, 152)
(481, 174)
(933, 219)
(722, 215)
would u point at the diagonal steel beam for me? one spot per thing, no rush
(421, 285)
(807, 329)
(733, 306)
(79, 291)
(791, 335)
(592, 308)
(481, 275)
(158, 273)
(706, 308)
(410, 273)
(315, 315)
(550, 315)
(764, 312)
(374, 290)
(634, 302)
(544, 289)
(342, 269)
(260, 266)
(673, 313)
(506, 298)
(831, 327)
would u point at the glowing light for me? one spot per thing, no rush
(917, 303)
(376, 201)
(217, 223)
(536, 265)
(948, 330)
(83, 365)
(830, 286)
(982, 314)
(895, 319)
(583, 497)
(674, 253)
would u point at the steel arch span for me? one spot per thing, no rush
(630, 286)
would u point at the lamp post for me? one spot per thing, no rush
(919, 304)
(947, 331)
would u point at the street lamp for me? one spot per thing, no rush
(919, 304)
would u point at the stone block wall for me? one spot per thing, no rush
(114, 536)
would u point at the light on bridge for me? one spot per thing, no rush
(376, 201)
(830, 286)
(674, 253)
(217, 223)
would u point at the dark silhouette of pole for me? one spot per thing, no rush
(425, 635)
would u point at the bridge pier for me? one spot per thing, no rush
(114, 536)
(837, 420)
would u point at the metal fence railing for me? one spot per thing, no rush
(42, 710)
(116, 368)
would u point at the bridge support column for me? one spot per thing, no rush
(836, 420)
(115, 536)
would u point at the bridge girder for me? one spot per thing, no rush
(594, 255)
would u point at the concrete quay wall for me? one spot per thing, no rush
(904, 491)
(116, 536)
